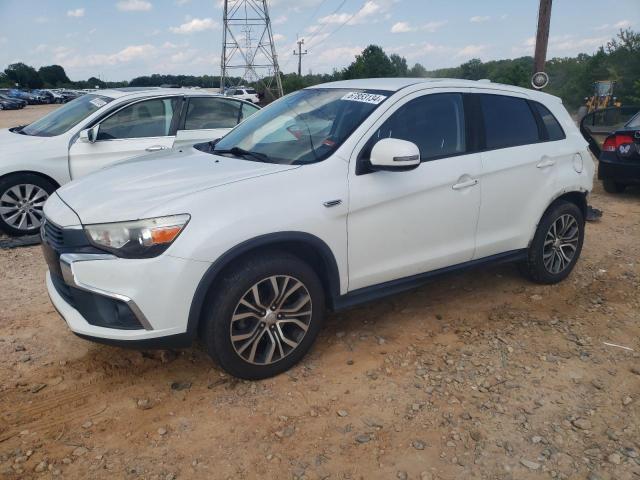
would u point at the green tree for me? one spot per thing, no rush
(418, 71)
(371, 63)
(53, 75)
(399, 65)
(23, 75)
(94, 82)
(474, 69)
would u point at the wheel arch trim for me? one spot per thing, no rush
(31, 172)
(331, 282)
(570, 195)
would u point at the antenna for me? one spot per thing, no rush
(248, 50)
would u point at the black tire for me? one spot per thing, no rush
(611, 186)
(10, 181)
(224, 300)
(534, 267)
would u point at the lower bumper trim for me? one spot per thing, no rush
(181, 340)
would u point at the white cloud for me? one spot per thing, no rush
(41, 19)
(339, 55)
(565, 45)
(623, 24)
(480, 19)
(616, 26)
(280, 20)
(401, 27)
(78, 12)
(195, 25)
(471, 51)
(278, 37)
(3, 40)
(365, 14)
(405, 27)
(182, 2)
(134, 5)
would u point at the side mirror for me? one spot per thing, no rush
(395, 155)
(90, 135)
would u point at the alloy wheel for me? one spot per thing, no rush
(271, 319)
(561, 243)
(21, 206)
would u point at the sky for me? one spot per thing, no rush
(121, 39)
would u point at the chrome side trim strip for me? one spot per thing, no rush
(66, 265)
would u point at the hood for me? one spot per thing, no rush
(14, 143)
(130, 189)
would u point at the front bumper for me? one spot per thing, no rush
(128, 302)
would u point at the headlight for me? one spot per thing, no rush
(137, 239)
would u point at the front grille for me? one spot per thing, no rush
(53, 234)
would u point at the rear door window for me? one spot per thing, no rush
(212, 112)
(508, 121)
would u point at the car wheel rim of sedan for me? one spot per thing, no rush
(21, 206)
(271, 320)
(560, 244)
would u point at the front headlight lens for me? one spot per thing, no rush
(139, 238)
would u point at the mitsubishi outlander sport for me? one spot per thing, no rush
(329, 197)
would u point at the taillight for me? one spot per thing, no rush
(614, 141)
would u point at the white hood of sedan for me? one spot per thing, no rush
(130, 189)
(13, 143)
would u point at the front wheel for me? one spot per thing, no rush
(556, 245)
(264, 315)
(22, 198)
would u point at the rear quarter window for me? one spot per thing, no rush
(508, 121)
(551, 124)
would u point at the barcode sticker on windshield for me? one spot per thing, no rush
(98, 102)
(373, 98)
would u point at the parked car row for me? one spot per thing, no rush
(41, 96)
(11, 103)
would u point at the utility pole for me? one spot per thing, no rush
(300, 53)
(542, 36)
(248, 46)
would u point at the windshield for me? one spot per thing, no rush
(304, 127)
(65, 117)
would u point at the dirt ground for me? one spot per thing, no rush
(476, 376)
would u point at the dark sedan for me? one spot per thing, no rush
(615, 140)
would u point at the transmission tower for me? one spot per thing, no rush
(248, 50)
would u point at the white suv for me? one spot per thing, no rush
(329, 197)
(244, 93)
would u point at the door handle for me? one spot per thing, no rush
(465, 184)
(546, 162)
(156, 148)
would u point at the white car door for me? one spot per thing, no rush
(519, 170)
(406, 223)
(141, 127)
(208, 118)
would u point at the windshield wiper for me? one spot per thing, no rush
(241, 152)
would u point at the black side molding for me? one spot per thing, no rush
(381, 290)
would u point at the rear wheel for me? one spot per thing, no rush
(264, 315)
(22, 198)
(611, 186)
(556, 245)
